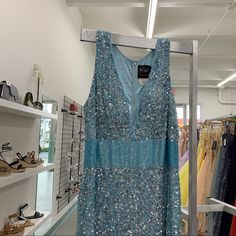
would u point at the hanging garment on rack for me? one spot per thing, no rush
(184, 176)
(183, 142)
(230, 192)
(184, 171)
(204, 177)
(225, 183)
(183, 159)
(215, 171)
(201, 151)
(130, 183)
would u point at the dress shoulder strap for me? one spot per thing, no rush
(103, 45)
(163, 56)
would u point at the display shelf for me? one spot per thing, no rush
(15, 177)
(21, 110)
(38, 223)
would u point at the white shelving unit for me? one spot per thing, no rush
(16, 177)
(24, 111)
(19, 125)
(38, 223)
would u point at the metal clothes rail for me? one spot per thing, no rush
(219, 118)
(89, 35)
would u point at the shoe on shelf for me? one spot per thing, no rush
(32, 158)
(28, 101)
(5, 170)
(35, 215)
(13, 227)
(14, 166)
(26, 162)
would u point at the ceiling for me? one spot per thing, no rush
(178, 20)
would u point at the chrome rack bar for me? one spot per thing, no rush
(89, 35)
(192, 195)
(213, 205)
(226, 207)
(221, 118)
(204, 208)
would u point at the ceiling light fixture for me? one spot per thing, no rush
(226, 80)
(151, 18)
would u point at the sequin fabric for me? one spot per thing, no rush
(130, 184)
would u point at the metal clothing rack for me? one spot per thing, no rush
(89, 35)
(214, 205)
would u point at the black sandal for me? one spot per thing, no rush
(21, 216)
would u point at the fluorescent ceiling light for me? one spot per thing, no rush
(226, 80)
(151, 18)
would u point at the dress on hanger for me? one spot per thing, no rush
(130, 183)
(184, 171)
(224, 183)
(183, 142)
(204, 177)
(183, 159)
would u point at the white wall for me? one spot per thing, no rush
(208, 99)
(46, 32)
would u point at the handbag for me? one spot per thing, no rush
(8, 91)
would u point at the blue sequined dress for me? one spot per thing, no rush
(130, 182)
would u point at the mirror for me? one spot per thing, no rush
(47, 142)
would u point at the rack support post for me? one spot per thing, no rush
(192, 205)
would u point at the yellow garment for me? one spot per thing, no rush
(183, 175)
(205, 175)
(184, 172)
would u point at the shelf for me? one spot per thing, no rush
(38, 223)
(21, 110)
(16, 177)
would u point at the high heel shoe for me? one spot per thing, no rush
(11, 228)
(24, 161)
(15, 166)
(31, 158)
(5, 170)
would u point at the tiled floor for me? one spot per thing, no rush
(69, 225)
(44, 193)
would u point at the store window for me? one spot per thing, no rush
(183, 114)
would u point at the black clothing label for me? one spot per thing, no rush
(144, 71)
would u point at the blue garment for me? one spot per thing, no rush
(130, 182)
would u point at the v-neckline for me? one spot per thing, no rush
(154, 67)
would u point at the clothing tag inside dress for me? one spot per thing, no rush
(144, 71)
(214, 145)
(225, 142)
